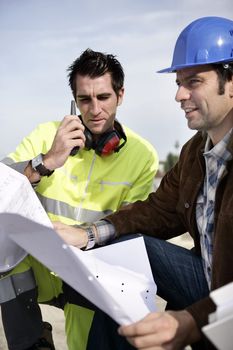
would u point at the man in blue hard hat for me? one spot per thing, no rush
(195, 196)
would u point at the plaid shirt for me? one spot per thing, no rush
(215, 161)
(105, 231)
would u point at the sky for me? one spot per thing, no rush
(39, 39)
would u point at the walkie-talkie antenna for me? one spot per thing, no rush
(73, 108)
(74, 151)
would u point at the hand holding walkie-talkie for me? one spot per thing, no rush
(70, 132)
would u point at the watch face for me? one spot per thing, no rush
(37, 165)
(36, 161)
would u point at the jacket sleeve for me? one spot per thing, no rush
(201, 310)
(144, 183)
(28, 148)
(157, 215)
(38, 141)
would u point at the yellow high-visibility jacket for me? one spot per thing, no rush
(85, 189)
(88, 187)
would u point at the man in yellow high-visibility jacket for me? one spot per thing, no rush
(82, 168)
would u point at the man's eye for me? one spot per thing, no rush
(101, 98)
(194, 81)
(84, 99)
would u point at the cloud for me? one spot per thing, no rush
(39, 39)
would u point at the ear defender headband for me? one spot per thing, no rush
(108, 142)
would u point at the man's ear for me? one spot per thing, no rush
(120, 96)
(231, 87)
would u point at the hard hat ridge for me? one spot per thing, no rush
(206, 40)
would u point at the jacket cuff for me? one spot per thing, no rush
(201, 310)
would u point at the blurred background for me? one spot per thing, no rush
(40, 38)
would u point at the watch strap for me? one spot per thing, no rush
(38, 165)
(91, 237)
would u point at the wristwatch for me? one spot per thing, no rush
(38, 165)
(91, 238)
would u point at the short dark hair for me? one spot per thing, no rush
(94, 64)
(225, 73)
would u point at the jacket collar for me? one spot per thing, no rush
(204, 138)
(230, 144)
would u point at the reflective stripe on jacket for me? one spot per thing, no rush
(87, 187)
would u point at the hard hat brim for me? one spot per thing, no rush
(176, 68)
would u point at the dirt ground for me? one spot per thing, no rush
(56, 317)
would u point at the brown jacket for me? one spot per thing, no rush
(170, 211)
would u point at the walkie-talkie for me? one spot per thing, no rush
(74, 151)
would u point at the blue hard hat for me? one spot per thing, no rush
(206, 40)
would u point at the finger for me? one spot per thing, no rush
(74, 125)
(70, 123)
(140, 344)
(144, 326)
(152, 316)
(77, 134)
(161, 339)
(68, 118)
(67, 140)
(57, 225)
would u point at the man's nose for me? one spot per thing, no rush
(95, 107)
(182, 94)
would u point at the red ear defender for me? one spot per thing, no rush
(109, 144)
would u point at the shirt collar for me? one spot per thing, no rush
(220, 149)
